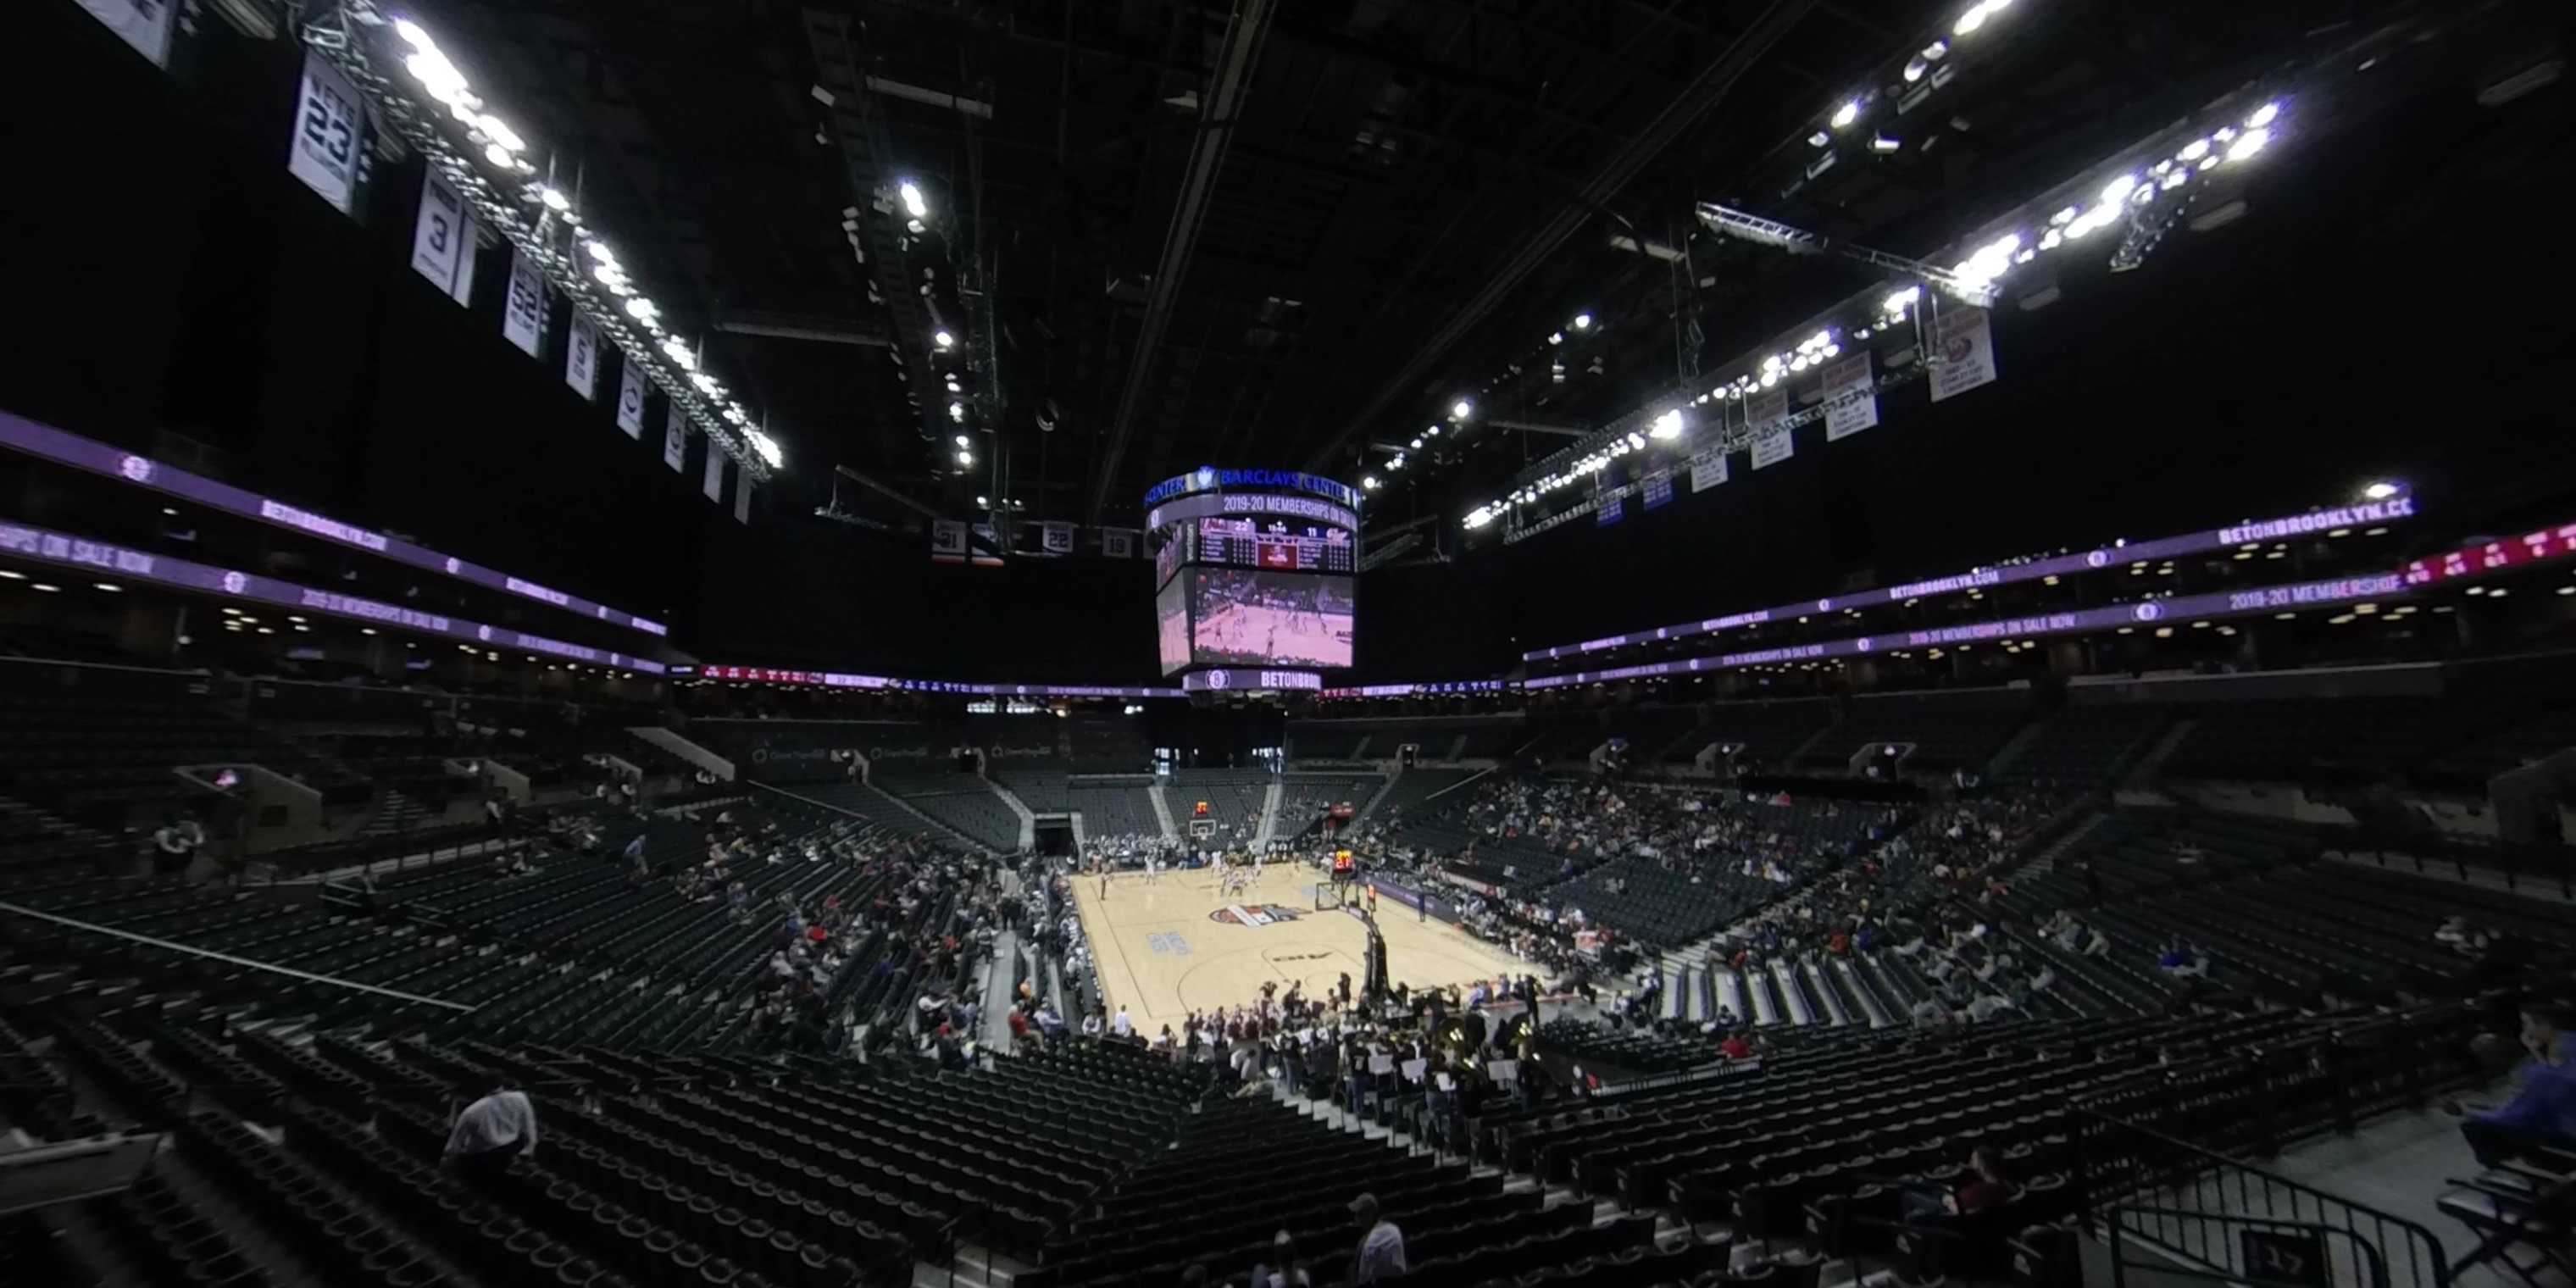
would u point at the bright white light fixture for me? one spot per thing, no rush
(913, 205)
(963, 441)
(2380, 491)
(1370, 483)
(2248, 143)
(957, 412)
(942, 339)
(1668, 425)
(1846, 114)
(1462, 409)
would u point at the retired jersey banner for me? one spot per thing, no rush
(630, 399)
(742, 496)
(1774, 445)
(1966, 353)
(675, 438)
(523, 312)
(987, 551)
(1708, 469)
(1658, 489)
(442, 238)
(947, 541)
(330, 142)
(713, 481)
(1765, 411)
(1055, 537)
(1851, 396)
(1118, 543)
(581, 357)
(144, 24)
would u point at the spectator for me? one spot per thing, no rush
(1381, 1254)
(1282, 1270)
(2543, 1114)
(1986, 1189)
(499, 1126)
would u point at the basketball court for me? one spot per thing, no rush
(1167, 949)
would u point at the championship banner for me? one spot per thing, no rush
(947, 541)
(523, 312)
(742, 497)
(1967, 352)
(144, 24)
(675, 438)
(330, 140)
(712, 483)
(442, 238)
(630, 399)
(1766, 411)
(1772, 446)
(1708, 469)
(1609, 512)
(1118, 543)
(1851, 397)
(1659, 489)
(988, 546)
(581, 357)
(1055, 537)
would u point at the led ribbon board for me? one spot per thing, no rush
(2229, 603)
(68, 551)
(98, 458)
(2260, 530)
(845, 680)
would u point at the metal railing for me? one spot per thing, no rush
(2200, 1213)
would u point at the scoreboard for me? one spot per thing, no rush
(1283, 545)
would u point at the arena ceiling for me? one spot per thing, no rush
(1283, 232)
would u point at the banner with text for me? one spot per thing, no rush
(630, 398)
(581, 357)
(144, 24)
(1708, 469)
(675, 438)
(1764, 411)
(1118, 543)
(1055, 537)
(986, 550)
(1851, 396)
(1967, 352)
(947, 541)
(712, 483)
(1772, 446)
(523, 311)
(442, 239)
(1659, 488)
(329, 149)
(742, 496)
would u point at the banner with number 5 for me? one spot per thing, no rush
(330, 135)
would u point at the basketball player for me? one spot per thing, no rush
(1104, 878)
(1153, 867)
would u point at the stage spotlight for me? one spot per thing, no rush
(964, 441)
(1668, 425)
(943, 339)
(2382, 490)
(1370, 483)
(1846, 114)
(1582, 321)
(1462, 409)
(913, 205)
(957, 412)
(2248, 143)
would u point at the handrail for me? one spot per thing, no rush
(18, 910)
(2133, 1169)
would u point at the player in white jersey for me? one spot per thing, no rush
(1153, 867)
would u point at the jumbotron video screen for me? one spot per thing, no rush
(1172, 625)
(1242, 617)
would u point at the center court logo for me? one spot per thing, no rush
(1253, 914)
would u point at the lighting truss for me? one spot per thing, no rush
(1797, 241)
(336, 37)
(2148, 188)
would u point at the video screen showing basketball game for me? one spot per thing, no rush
(1172, 625)
(1246, 618)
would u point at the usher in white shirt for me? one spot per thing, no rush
(492, 1122)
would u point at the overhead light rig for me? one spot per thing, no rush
(428, 103)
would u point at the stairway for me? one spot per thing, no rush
(2046, 860)
(1163, 812)
(1269, 816)
(397, 813)
(2151, 766)
(1020, 810)
(2013, 747)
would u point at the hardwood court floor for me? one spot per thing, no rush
(1173, 947)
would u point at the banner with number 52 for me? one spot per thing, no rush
(330, 140)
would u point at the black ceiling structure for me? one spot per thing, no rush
(1277, 233)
